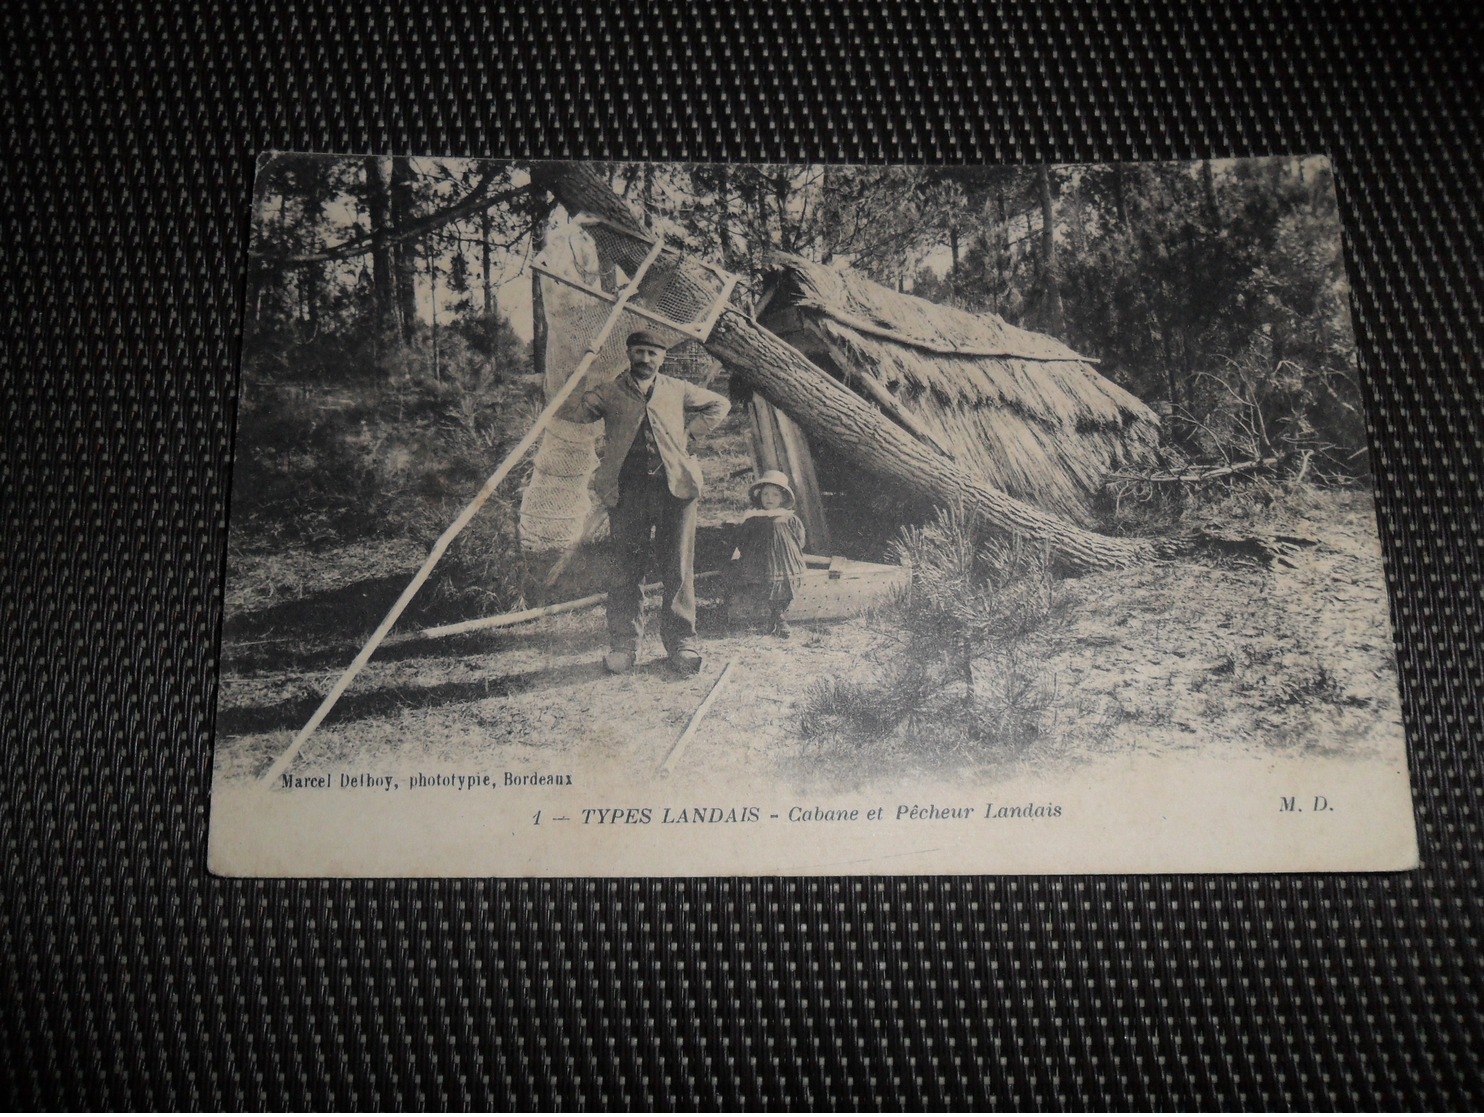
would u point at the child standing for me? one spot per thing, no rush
(770, 539)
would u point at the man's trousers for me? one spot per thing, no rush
(647, 509)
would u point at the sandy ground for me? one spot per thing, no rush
(1185, 659)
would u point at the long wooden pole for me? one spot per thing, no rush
(507, 620)
(512, 459)
(695, 721)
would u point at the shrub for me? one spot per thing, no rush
(963, 644)
(483, 571)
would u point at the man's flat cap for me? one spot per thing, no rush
(644, 337)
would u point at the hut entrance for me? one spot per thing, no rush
(779, 443)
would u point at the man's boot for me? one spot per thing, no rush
(619, 661)
(686, 660)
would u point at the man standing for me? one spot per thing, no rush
(651, 486)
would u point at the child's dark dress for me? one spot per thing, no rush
(772, 558)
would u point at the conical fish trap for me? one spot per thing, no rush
(557, 500)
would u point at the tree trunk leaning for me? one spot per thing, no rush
(860, 434)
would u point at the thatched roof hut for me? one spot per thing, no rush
(1019, 409)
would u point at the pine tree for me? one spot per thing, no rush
(964, 642)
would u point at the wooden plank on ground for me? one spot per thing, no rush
(845, 590)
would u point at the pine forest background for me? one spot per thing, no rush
(392, 335)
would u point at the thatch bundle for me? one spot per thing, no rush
(1021, 410)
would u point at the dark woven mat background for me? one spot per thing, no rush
(132, 979)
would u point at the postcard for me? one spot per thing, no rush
(648, 519)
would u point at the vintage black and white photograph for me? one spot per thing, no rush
(656, 519)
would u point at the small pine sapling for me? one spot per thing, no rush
(963, 647)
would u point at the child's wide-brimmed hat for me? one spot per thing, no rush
(772, 477)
